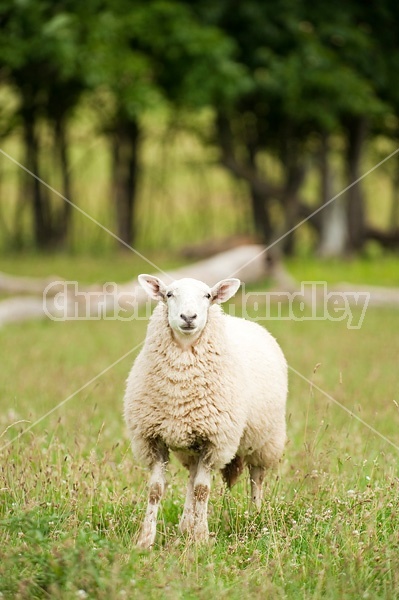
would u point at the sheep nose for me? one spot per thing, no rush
(188, 318)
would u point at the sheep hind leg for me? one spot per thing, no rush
(186, 524)
(156, 491)
(256, 475)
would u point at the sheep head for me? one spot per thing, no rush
(188, 301)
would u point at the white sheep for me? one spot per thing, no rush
(208, 386)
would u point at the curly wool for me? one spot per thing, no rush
(225, 394)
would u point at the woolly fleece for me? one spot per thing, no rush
(224, 396)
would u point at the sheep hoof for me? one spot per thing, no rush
(144, 545)
(201, 533)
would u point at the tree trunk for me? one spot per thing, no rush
(295, 172)
(33, 186)
(333, 233)
(259, 190)
(356, 135)
(124, 177)
(4, 230)
(260, 215)
(23, 198)
(259, 206)
(63, 220)
(394, 217)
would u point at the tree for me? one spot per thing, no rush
(39, 53)
(285, 81)
(162, 56)
(308, 82)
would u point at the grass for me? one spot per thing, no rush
(88, 269)
(72, 498)
(381, 270)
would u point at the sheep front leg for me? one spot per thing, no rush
(202, 487)
(186, 524)
(156, 491)
(256, 475)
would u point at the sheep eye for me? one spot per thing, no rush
(207, 295)
(169, 294)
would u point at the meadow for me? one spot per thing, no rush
(72, 497)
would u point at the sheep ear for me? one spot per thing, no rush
(154, 287)
(224, 290)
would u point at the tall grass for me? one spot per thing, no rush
(72, 497)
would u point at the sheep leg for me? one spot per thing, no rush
(156, 490)
(256, 475)
(202, 487)
(186, 524)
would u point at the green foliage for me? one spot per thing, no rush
(309, 66)
(276, 78)
(192, 61)
(160, 52)
(39, 50)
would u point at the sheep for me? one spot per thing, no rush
(209, 387)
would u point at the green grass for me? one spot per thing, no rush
(87, 268)
(382, 270)
(72, 497)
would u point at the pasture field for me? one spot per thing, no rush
(72, 497)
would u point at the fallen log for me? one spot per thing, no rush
(379, 296)
(21, 308)
(248, 263)
(216, 246)
(14, 284)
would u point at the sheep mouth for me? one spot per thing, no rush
(187, 328)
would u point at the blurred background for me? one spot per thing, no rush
(185, 129)
(176, 122)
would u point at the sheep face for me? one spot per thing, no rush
(188, 302)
